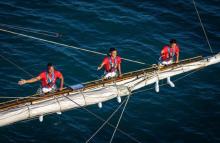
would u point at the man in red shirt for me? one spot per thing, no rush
(169, 52)
(48, 79)
(112, 64)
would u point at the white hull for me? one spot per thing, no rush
(98, 94)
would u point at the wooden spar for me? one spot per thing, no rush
(89, 85)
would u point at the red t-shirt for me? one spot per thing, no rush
(108, 60)
(45, 77)
(166, 52)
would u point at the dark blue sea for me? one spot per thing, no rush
(188, 113)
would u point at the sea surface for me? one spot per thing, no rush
(188, 113)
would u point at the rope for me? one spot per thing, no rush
(65, 45)
(203, 28)
(30, 30)
(29, 114)
(119, 119)
(103, 120)
(22, 69)
(80, 91)
(58, 102)
(94, 134)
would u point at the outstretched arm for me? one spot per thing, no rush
(100, 66)
(35, 79)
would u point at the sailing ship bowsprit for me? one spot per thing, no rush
(95, 92)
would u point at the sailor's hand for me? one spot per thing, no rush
(99, 68)
(61, 88)
(22, 82)
(120, 75)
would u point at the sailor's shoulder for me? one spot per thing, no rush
(43, 74)
(165, 47)
(119, 57)
(106, 59)
(177, 47)
(57, 72)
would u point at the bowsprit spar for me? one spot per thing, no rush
(98, 91)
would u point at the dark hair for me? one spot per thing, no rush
(172, 41)
(49, 65)
(112, 49)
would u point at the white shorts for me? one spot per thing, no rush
(166, 62)
(46, 90)
(110, 75)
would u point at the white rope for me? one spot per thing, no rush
(58, 102)
(22, 69)
(31, 30)
(95, 133)
(102, 119)
(65, 45)
(203, 28)
(120, 118)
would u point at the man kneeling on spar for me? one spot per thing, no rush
(48, 80)
(169, 52)
(112, 64)
(169, 55)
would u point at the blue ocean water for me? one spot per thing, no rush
(188, 113)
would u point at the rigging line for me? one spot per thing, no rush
(103, 120)
(65, 45)
(22, 69)
(95, 133)
(203, 28)
(120, 118)
(31, 30)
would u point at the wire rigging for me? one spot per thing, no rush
(17, 66)
(31, 30)
(203, 28)
(65, 45)
(109, 118)
(120, 118)
(103, 120)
